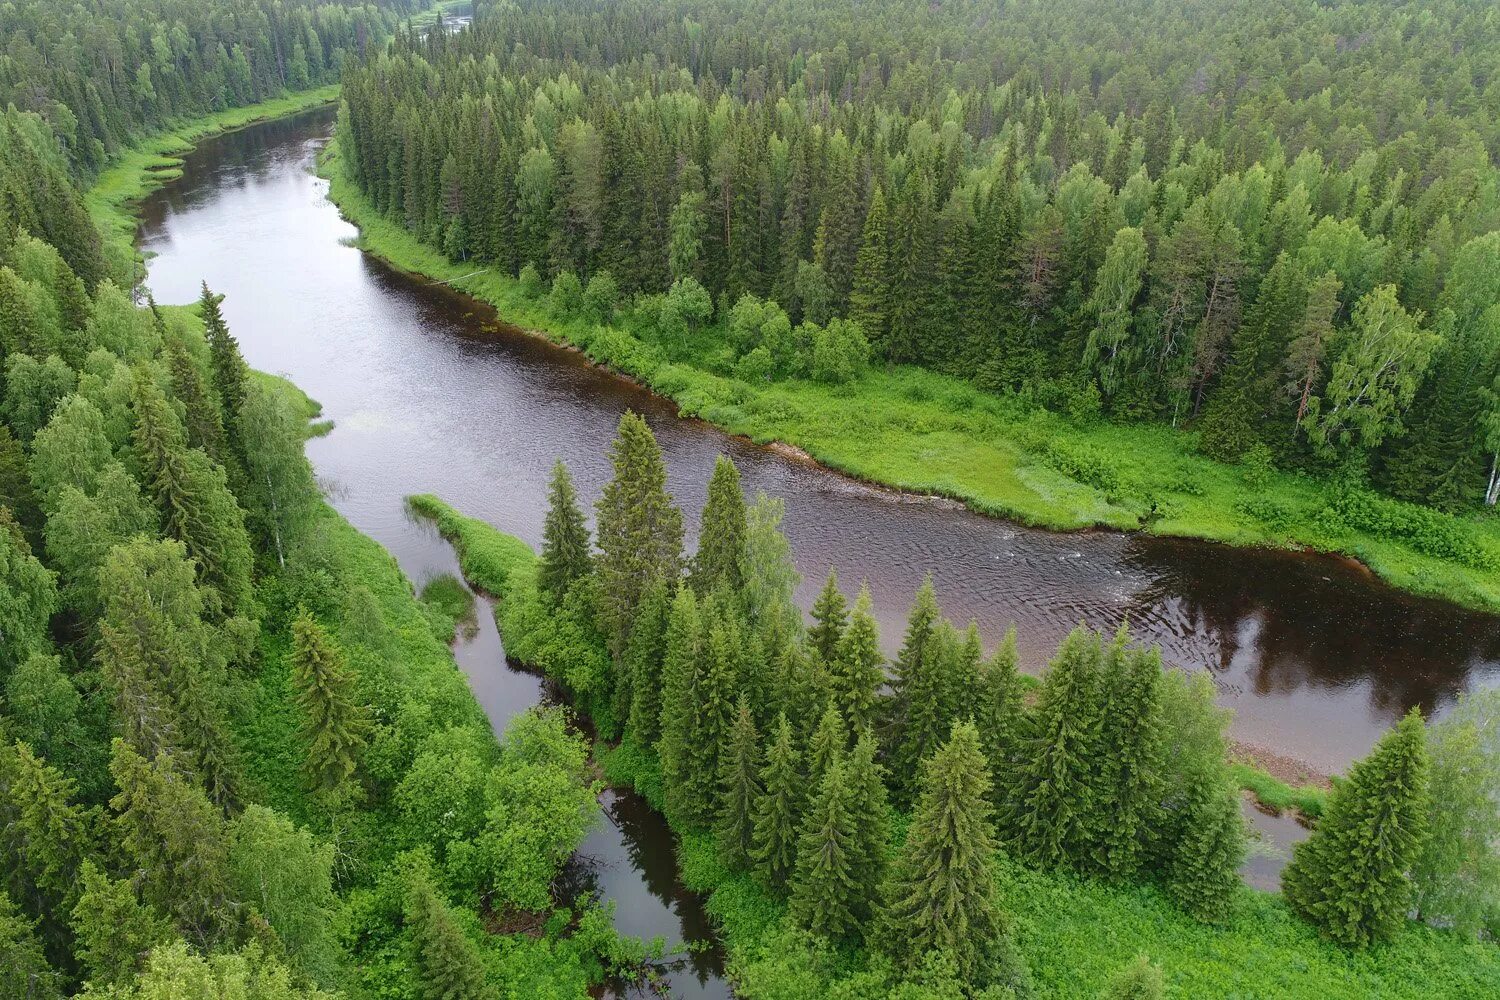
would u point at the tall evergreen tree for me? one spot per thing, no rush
(113, 929)
(1351, 878)
(871, 817)
(24, 970)
(639, 531)
(448, 966)
(858, 670)
(923, 691)
(739, 788)
(714, 699)
(565, 538)
(681, 676)
(1051, 813)
(830, 616)
(1001, 716)
(644, 656)
(779, 811)
(722, 532)
(1202, 873)
(824, 888)
(333, 724)
(827, 746)
(201, 415)
(227, 369)
(1131, 746)
(941, 894)
(869, 298)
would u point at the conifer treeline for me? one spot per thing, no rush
(1230, 252)
(102, 74)
(800, 746)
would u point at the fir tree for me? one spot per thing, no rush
(25, 972)
(925, 690)
(826, 748)
(644, 655)
(1132, 747)
(565, 538)
(869, 304)
(45, 837)
(911, 674)
(639, 531)
(858, 671)
(228, 371)
(713, 716)
(739, 788)
(941, 894)
(824, 888)
(113, 929)
(722, 532)
(829, 613)
(448, 966)
(1351, 877)
(1050, 815)
(201, 416)
(1202, 873)
(871, 817)
(681, 669)
(333, 724)
(779, 810)
(1001, 716)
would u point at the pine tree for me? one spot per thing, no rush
(722, 532)
(565, 538)
(871, 817)
(858, 670)
(941, 894)
(192, 497)
(779, 810)
(1202, 873)
(1001, 716)
(681, 671)
(1350, 878)
(228, 371)
(1050, 815)
(827, 746)
(448, 966)
(639, 531)
(739, 788)
(1132, 747)
(169, 831)
(644, 655)
(824, 888)
(113, 928)
(333, 724)
(829, 613)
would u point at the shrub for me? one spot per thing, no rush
(530, 281)
(600, 297)
(566, 297)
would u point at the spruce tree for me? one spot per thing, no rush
(565, 538)
(913, 702)
(714, 703)
(1050, 815)
(334, 726)
(824, 887)
(448, 966)
(829, 613)
(201, 416)
(113, 928)
(228, 371)
(929, 712)
(858, 670)
(644, 654)
(1351, 877)
(1202, 873)
(826, 748)
(739, 788)
(639, 531)
(681, 670)
(871, 816)
(941, 894)
(779, 810)
(869, 297)
(1132, 748)
(722, 532)
(1001, 716)
(25, 972)
(45, 836)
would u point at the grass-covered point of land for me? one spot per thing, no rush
(930, 433)
(1074, 932)
(157, 160)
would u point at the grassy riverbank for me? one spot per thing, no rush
(928, 433)
(1074, 932)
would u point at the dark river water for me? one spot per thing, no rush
(431, 392)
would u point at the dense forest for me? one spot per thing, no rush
(1273, 224)
(872, 802)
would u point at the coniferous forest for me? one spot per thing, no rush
(237, 759)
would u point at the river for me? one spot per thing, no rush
(431, 392)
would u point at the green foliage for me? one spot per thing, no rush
(740, 788)
(287, 876)
(721, 533)
(1140, 980)
(1351, 878)
(779, 810)
(824, 887)
(334, 724)
(565, 538)
(113, 928)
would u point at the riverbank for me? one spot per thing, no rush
(940, 436)
(157, 160)
(1073, 931)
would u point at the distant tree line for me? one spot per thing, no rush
(1273, 225)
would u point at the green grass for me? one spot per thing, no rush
(1276, 795)
(934, 434)
(1074, 932)
(157, 159)
(452, 606)
(485, 555)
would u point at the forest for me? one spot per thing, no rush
(1272, 225)
(861, 816)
